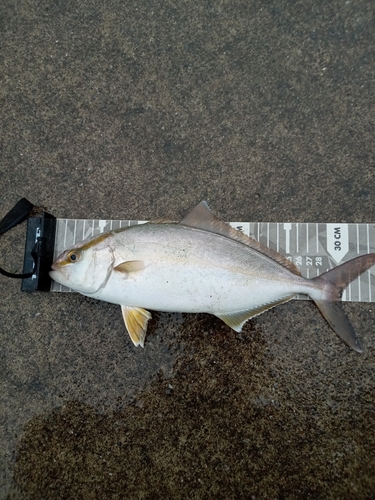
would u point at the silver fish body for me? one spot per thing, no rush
(198, 265)
(191, 270)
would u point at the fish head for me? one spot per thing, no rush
(84, 268)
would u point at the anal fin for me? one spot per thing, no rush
(236, 320)
(136, 320)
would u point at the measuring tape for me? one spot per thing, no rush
(313, 248)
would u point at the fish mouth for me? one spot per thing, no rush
(56, 274)
(52, 274)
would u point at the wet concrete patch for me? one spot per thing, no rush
(225, 424)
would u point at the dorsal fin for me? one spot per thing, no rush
(162, 221)
(202, 218)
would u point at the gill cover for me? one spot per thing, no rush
(86, 269)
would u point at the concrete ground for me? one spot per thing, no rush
(141, 109)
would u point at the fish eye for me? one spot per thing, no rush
(72, 256)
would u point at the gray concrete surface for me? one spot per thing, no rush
(141, 109)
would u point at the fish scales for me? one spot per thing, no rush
(196, 271)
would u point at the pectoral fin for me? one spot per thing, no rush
(136, 319)
(237, 319)
(130, 266)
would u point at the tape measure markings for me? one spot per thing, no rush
(313, 247)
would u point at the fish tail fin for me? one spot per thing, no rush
(333, 283)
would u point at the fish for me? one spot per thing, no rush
(198, 265)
